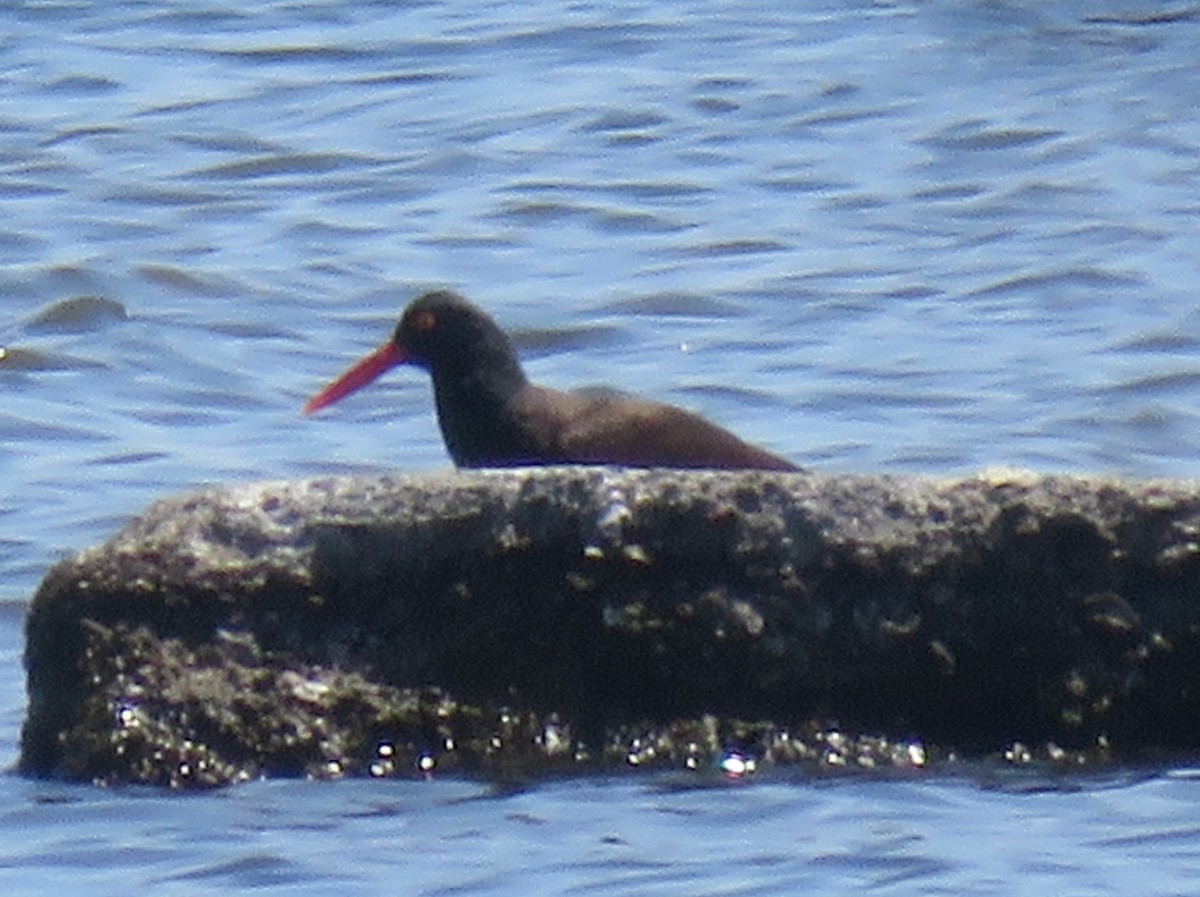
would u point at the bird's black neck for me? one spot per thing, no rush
(475, 406)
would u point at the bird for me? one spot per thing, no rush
(491, 415)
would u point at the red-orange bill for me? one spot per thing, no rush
(382, 359)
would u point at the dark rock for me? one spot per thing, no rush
(513, 621)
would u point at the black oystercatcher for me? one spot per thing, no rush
(492, 416)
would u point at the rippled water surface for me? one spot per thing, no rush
(914, 236)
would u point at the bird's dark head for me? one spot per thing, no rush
(459, 344)
(442, 331)
(463, 348)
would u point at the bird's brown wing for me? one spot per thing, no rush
(606, 427)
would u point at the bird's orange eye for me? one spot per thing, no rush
(425, 322)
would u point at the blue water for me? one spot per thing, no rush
(609, 837)
(873, 236)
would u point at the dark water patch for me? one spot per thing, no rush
(12, 612)
(725, 82)
(949, 192)
(329, 269)
(803, 183)
(250, 330)
(73, 134)
(1138, 19)
(840, 90)
(538, 342)
(183, 417)
(527, 186)
(121, 459)
(73, 85)
(15, 126)
(381, 306)
(254, 871)
(80, 314)
(1090, 278)
(761, 345)
(733, 395)
(1170, 143)
(886, 864)
(734, 248)
(229, 211)
(862, 396)
(791, 291)
(835, 117)
(539, 212)
(632, 140)
(295, 54)
(1165, 342)
(1116, 234)
(395, 190)
(623, 120)
(586, 40)
(654, 190)
(15, 242)
(164, 197)
(1185, 382)
(625, 221)
(12, 189)
(15, 358)
(934, 459)
(1188, 212)
(286, 164)
(715, 105)
(672, 304)
(453, 162)
(321, 234)
(1052, 195)
(469, 241)
(45, 168)
(978, 136)
(914, 291)
(176, 107)
(229, 142)
(18, 429)
(1179, 840)
(418, 78)
(1118, 39)
(198, 18)
(857, 202)
(68, 278)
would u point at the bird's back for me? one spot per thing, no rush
(603, 426)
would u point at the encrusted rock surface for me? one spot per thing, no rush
(516, 621)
